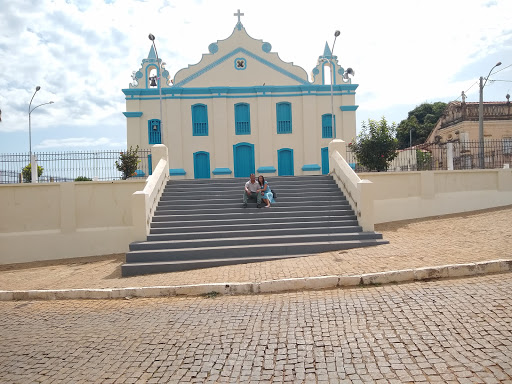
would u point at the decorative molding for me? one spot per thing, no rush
(254, 91)
(266, 170)
(349, 108)
(132, 114)
(246, 52)
(222, 171)
(266, 47)
(311, 167)
(177, 172)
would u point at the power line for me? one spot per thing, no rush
(506, 81)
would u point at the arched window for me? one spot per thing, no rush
(242, 119)
(154, 132)
(284, 117)
(327, 126)
(199, 120)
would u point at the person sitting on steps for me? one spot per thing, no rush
(252, 191)
(266, 194)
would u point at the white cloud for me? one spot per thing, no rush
(79, 142)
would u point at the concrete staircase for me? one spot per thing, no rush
(201, 224)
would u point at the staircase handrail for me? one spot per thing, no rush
(144, 202)
(359, 192)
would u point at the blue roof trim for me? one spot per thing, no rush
(266, 170)
(222, 171)
(178, 91)
(234, 52)
(177, 172)
(132, 114)
(311, 167)
(347, 108)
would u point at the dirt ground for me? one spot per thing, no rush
(452, 239)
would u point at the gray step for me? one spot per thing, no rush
(289, 201)
(270, 238)
(254, 214)
(237, 195)
(182, 254)
(238, 208)
(256, 226)
(243, 180)
(173, 236)
(248, 221)
(302, 190)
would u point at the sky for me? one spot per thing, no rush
(82, 54)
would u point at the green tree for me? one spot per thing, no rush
(128, 162)
(420, 122)
(376, 145)
(27, 173)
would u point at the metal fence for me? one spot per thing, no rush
(438, 156)
(67, 166)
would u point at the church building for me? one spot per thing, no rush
(241, 110)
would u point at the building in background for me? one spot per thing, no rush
(459, 125)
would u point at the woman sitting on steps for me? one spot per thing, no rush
(267, 195)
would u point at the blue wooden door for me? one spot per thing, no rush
(285, 162)
(243, 157)
(325, 161)
(201, 165)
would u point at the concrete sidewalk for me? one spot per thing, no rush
(467, 238)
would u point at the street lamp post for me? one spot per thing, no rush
(481, 118)
(33, 165)
(152, 38)
(336, 34)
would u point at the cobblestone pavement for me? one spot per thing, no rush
(453, 239)
(450, 331)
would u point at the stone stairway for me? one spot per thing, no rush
(201, 224)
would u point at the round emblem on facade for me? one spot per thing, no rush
(213, 48)
(240, 63)
(315, 72)
(266, 47)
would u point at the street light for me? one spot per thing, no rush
(152, 38)
(336, 34)
(33, 165)
(481, 117)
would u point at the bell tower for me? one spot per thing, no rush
(148, 75)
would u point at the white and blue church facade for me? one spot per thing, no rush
(241, 110)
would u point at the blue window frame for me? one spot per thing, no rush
(199, 120)
(154, 132)
(327, 126)
(284, 117)
(242, 119)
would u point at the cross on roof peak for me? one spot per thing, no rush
(238, 14)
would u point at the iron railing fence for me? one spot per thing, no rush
(67, 166)
(435, 156)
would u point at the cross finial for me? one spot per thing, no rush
(238, 14)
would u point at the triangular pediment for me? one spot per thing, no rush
(238, 61)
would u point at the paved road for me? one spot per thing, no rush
(454, 331)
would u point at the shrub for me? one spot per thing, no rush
(83, 178)
(376, 146)
(27, 173)
(128, 162)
